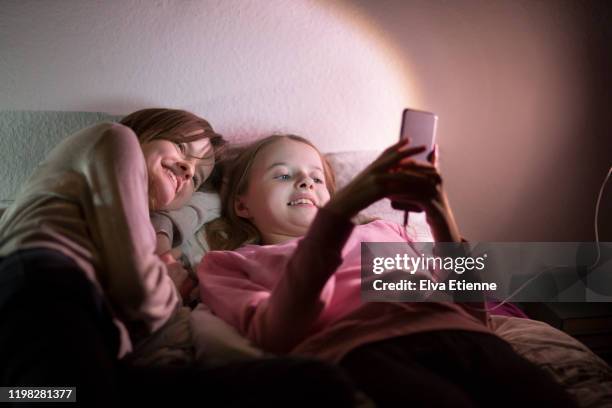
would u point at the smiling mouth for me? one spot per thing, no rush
(301, 202)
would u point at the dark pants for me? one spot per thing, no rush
(451, 368)
(55, 330)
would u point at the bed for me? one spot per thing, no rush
(199, 336)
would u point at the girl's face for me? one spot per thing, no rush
(286, 188)
(176, 170)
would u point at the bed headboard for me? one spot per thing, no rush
(27, 136)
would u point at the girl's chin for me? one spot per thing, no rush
(304, 223)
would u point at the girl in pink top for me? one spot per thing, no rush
(289, 280)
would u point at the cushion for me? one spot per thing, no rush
(582, 373)
(27, 136)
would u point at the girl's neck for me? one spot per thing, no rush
(275, 239)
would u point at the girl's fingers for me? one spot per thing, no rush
(408, 187)
(407, 179)
(396, 146)
(167, 258)
(392, 157)
(422, 169)
(403, 146)
(434, 156)
(403, 142)
(391, 150)
(428, 174)
(409, 161)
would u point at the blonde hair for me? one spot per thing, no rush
(231, 231)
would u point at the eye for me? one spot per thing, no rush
(317, 177)
(283, 177)
(181, 146)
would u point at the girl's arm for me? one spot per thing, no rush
(278, 319)
(297, 300)
(135, 280)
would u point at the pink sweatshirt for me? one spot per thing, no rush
(303, 296)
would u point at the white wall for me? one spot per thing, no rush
(506, 78)
(250, 67)
(524, 125)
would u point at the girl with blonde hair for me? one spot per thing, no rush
(289, 278)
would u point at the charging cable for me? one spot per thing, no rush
(591, 267)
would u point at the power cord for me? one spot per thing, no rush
(589, 268)
(601, 190)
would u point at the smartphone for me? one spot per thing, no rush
(420, 127)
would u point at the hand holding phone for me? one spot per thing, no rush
(420, 127)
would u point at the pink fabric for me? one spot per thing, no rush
(303, 296)
(507, 309)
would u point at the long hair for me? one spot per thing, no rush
(171, 124)
(231, 231)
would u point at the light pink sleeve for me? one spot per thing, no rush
(135, 279)
(276, 319)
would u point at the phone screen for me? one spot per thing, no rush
(420, 127)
